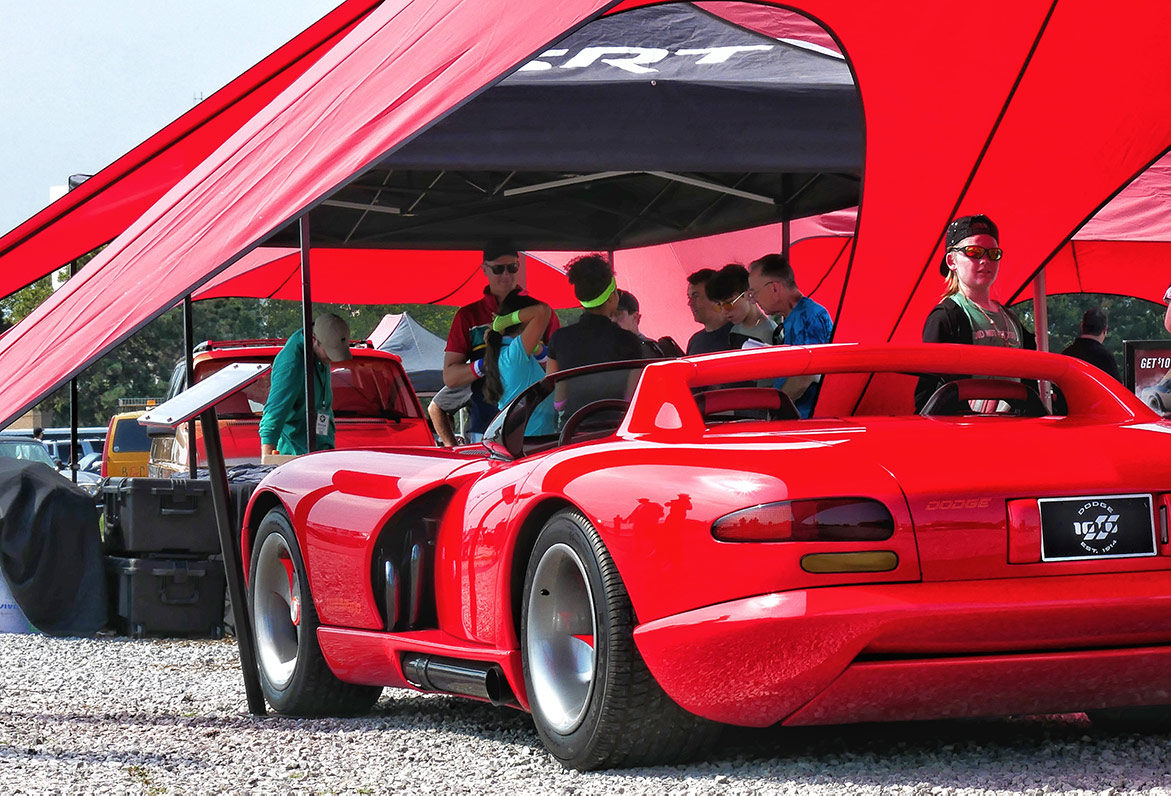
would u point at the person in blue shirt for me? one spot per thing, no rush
(514, 356)
(772, 285)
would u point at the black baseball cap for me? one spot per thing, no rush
(966, 227)
(627, 302)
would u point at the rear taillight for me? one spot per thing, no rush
(817, 520)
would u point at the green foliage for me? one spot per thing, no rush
(1130, 319)
(141, 366)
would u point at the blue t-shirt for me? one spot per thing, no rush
(808, 323)
(519, 371)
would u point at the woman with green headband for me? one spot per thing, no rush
(594, 338)
(514, 355)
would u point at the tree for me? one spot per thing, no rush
(1130, 319)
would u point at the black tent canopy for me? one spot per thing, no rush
(645, 127)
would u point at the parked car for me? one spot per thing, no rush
(1158, 396)
(29, 449)
(373, 405)
(127, 450)
(61, 450)
(664, 564)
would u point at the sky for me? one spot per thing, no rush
(84, 81)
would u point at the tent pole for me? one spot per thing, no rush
(1041, 318)
(786, 233)
(1040, 311)
(73, 401)
(307, 328)
(189, 379)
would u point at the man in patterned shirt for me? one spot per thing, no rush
(772, 285)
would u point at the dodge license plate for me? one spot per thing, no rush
(1104, 526)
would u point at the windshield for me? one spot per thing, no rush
(30, 450)
(560, 408)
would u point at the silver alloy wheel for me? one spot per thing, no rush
(276, 611)
(561, 639)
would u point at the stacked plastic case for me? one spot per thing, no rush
(163, 557)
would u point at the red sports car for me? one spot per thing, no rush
(685, 552)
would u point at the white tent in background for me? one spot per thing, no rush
(420, 350)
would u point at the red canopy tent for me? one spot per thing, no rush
(1124, 248)
(368, 276)
(950, 129)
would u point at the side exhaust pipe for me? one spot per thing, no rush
(467, 678)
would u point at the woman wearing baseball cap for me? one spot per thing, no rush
(968, 314)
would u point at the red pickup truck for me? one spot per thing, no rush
(373, 405)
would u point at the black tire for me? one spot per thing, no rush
(293, 673)
(611, 713)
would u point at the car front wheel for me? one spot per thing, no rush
(594, 703)
(293, 673)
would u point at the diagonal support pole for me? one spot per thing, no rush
(233, 566)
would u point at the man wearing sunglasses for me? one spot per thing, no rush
(463, 361)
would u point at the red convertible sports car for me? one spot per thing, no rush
(681, 551)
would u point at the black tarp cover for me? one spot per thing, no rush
(667, 87)
(653, 125)
(50, 549)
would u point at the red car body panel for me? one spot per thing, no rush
(339, 500)
(741, 632)
(770, 654)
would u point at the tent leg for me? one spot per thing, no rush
(307, 327)
(73, 407)
(233, 566)
(189, 363)
(1041, 316)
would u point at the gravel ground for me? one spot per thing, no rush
(113, 715)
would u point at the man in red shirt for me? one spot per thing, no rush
(463, 360)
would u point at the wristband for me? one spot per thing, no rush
(502, 322)
(541, 352)
(560, 405)
(477, 367)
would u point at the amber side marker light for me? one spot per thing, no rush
(815, 520)
(869, 561)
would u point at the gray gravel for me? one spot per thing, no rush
(168, 716)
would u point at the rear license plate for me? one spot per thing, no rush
(1105, 526)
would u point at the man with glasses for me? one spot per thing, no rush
(463, 362)
(773, 286)
(728, 290)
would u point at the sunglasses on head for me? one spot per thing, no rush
(976, 252)
(727, 306)
(512, 268)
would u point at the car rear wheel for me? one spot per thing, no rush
(594, 703)
(293, 673)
